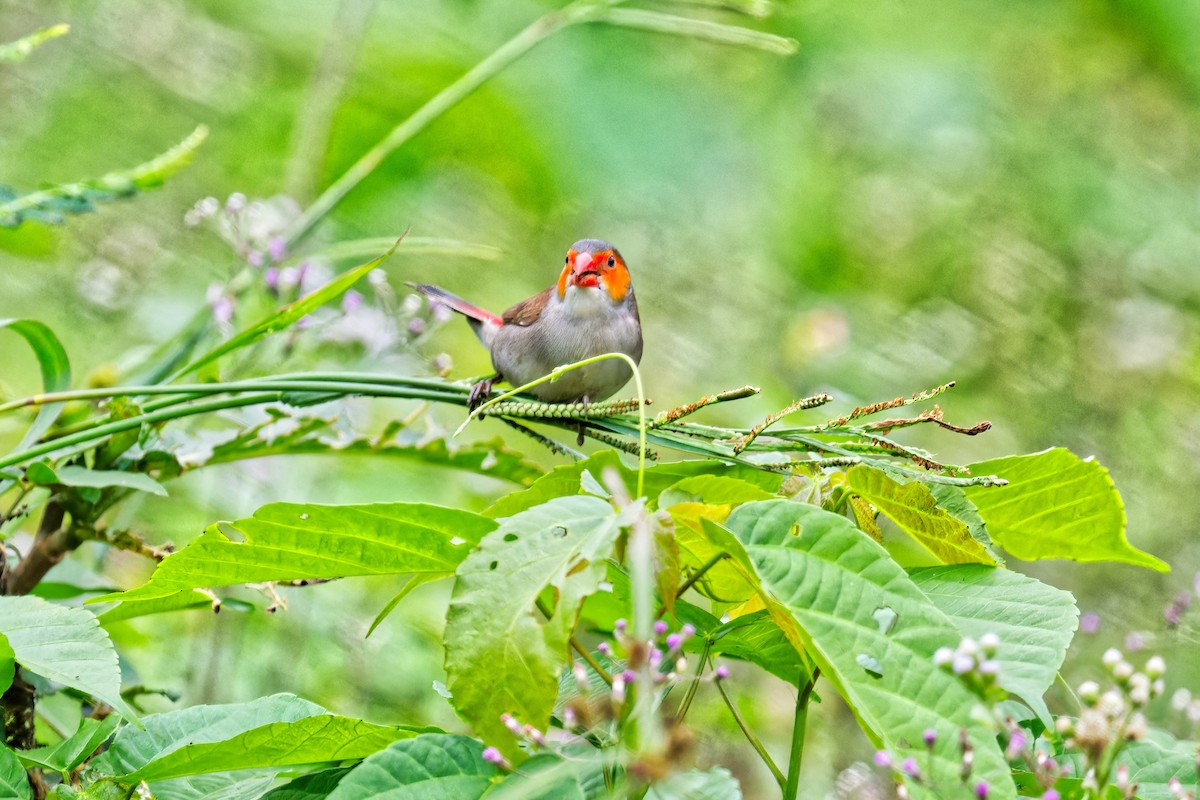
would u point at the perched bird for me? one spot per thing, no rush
(591, 310)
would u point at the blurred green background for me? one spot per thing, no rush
(1002, 194)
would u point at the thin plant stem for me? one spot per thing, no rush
(799, 726)
(577, 646)
(540, 30)
(695, 576)
(753, 739)
(681, 712)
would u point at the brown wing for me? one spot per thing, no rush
(527, 312)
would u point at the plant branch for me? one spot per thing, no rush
(799, 725)
(577, 646)
(753, 739)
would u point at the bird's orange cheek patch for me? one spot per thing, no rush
(617, 280)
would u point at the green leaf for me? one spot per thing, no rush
(1056, 505)
(500, 655)
(55, 368)
(18, 50)
(276, 731)
(567, 480)
(294, 541)
(852, 604)
(914, 509)
(66, 645)
(713, 490)
(313, 786)
(1035, 622)
(714, 784)
(430, 767)
(570, 774)
(287, 315)
(182, 600)
(45, 475)
(413, 582)
(219, 786)
(1154, 761)
(74, 750)
(52, 204)
(14, 783)
(8, 664)
(757, 639)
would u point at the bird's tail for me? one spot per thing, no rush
(484, 323)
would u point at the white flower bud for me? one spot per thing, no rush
(1155, 667)
(1089, 692)
(1112, 656)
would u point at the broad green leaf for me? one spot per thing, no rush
(571, 774)
(8, 664)
(65, 645)
(914, 509)
(44, 474)
(501, 656)
(567, 480)
(19, 49)
(442, 766)
(1056, 505)
(74, 750)
(219, 786)
(1035, 622)
(853, 605)
(14, 783)
(313, 786)
(413, 582)
(55, 368)
(714, 784)
(713, 490)
(1152, 762)
(182, 600)
(277, 731)
(287, 315)
(754, 638)
(293, 541)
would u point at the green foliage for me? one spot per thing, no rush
(76, 748)
(500, 658)
(913, 507)
(832, 580)
(434, 766)
(294, 541)
(8, 663)
(1034, 622)
(53, 204)
(62, 644)
(13, 781)
(43, 474)
(1057, 505)
(713, 784)
(55, 367)
(277, 731)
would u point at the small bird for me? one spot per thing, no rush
(591, 310)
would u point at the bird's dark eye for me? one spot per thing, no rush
(568, 259)
(612, 262)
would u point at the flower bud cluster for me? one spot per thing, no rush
(974, 662)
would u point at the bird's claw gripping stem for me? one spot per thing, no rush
(480, 392)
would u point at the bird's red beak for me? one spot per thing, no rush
(584, 272)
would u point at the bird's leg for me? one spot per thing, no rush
(582, 424)
(480, 392)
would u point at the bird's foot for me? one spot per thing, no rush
(582, 425)
(480, 392)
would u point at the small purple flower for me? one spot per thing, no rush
(930, 737)
(981, 790)
(351, 301)
(660, 627)
(688, 630)
(656, 657)
(1089, 622)
(416, 326)
(254, 258)
(493, 755)
(1174, 612)
(271, 279)
(673, 641)
(604, 648)
(1134, 642)
(1016, 745)
(1051, 794)
(909, 767)
(883, 759)
(629, 676)
(722, 672)
(277, 248)
(620, 625)
(618, 689)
